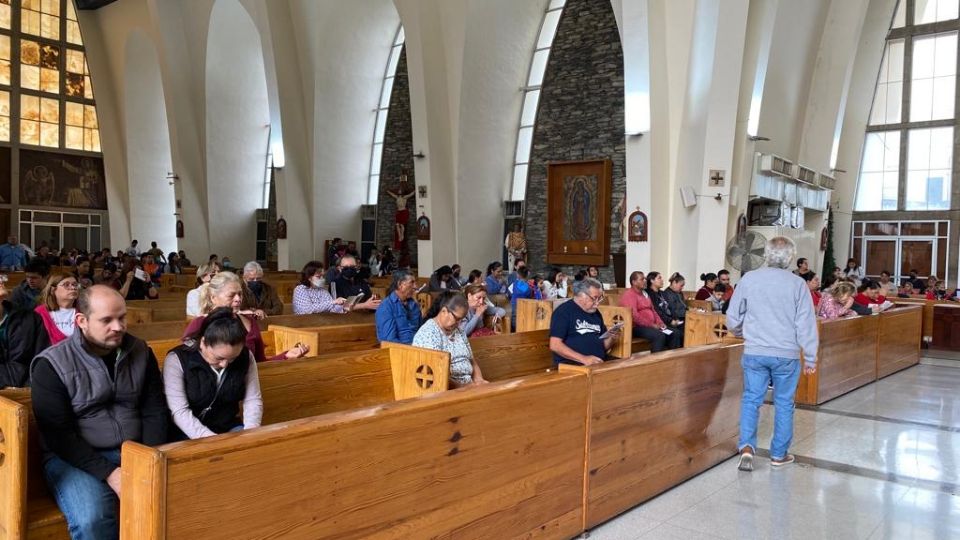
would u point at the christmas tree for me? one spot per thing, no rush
(829, 262)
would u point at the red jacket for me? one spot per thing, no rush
(704, 293)
(864, 300)
(56, 336)
(641, 307)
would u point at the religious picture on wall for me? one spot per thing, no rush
(578, 218)
(49, 179)
(619, 216)
(5, 191)
(638, 226)
(179, 228)
(423, 227)
(281, 229)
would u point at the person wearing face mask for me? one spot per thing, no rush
(441, 279)
(225, 290)
(208, 378)
(258, 295)
(311, 295)
(349, 283)
(456, 283)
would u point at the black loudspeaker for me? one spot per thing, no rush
(368, 230)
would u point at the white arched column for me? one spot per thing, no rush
(237, 130)
(152, 200)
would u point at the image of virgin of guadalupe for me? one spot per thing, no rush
(580, 207)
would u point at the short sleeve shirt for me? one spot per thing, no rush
(579, 330)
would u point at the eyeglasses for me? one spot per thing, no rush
(70, 285)
(456, 319)
(596, 299)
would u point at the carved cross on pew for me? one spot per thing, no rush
(720, 330)
(424, 377)
(541, 313)
(617, 319)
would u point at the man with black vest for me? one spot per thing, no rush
(91, 392)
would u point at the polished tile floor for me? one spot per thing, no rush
(882, 462)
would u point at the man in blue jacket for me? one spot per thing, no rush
(13, 256)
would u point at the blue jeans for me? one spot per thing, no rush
(785, 374)
(90, 506)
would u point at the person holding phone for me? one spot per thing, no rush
(577, 330)
(136, 282)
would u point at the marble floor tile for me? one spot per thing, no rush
(921, 514)
(666, 531)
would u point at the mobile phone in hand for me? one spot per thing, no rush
(140, 274)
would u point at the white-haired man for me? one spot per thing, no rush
(773, 311)
(258, 295)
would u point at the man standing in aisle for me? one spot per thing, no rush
(773, 311)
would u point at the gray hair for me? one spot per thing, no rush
(779, 251)
(253, 266)
(584, 285)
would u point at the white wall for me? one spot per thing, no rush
(152, 200)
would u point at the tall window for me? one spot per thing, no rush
(908, 151)
(383, 107)
(531, 97)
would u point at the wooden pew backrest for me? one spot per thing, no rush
(847, 359)
(14, 420)
(417, 371)
(327, 339)
(515, 355)
(657, 420)
(898, 339)
(503, 460)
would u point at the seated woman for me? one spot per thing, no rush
(813, 283)
(477, 307)
(204, 273)
(57, 308)
(646, 322)
(441, 332)
(937, 292)
(906, 290)
(662, 306)
(311, 295)
(209, 377)
(674, 297)
(495, 282)
(555, 286)
(521, 288)
(837, 301)
(709, 283)
(398, 317)
(442, 280)
(475, 277)
(224, 291)
(869, 293)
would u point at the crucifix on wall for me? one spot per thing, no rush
(716, 177)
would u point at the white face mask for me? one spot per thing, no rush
(318, 282)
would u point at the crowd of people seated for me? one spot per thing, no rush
(95, 386)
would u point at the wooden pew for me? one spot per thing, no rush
(291, 390)
(655, 421)
(515, 355)
(503, 460)
(898, 339)
(846, 360)
(161, 347)
(928, 311)
(326, 339)
(536, 314)
(174, 329)
(705, 328)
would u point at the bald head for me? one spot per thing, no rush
(102, 317)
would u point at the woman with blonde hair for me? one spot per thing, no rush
(837, 301)
(224, 290)
(57, 307)
(204, 273)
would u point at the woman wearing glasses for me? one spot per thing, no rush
(442, 332)
(58, 307)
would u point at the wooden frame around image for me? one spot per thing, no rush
(423, 227)
(578, 212)
(638, 227)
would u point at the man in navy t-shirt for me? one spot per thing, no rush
(576, 327)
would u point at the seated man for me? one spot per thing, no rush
(22, 337)
(258, 295)
(576, 327)
(25, 295)
(348, 283)
(92, 392)
(887, 287)
(646, 322)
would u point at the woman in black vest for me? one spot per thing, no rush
(209, 376)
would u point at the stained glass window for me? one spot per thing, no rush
(55, 93)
